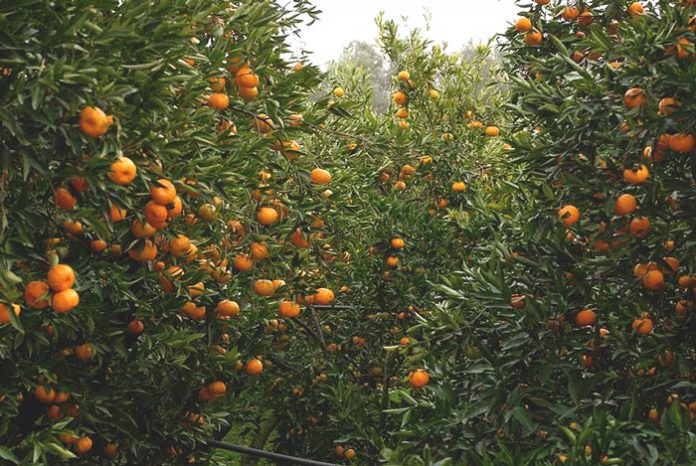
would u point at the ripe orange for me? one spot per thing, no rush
(73, 227)
(585, 317)
(242, 263)
(163, 192)
(193, 312)
(179, 246)
(122, 171)
(34, 292)
(79, 184)
(667, 106)
(175, 208)
(156, 214)
(227, 308)
(350, 454)
(84, 352)
(339, 92)
(400, 98)
(246, 77)
(53, 412)
(654, 280)
(94, 122)
(570, 13)
(634, 97)
(263, 124)
(402, 112)
(117, 214)
(404, 76)
(83, 445)
(569, 214)
(267, 216)
(392, 261)
(533, 38)
(288, 309)
(625, 204)
(218, 101)
(636, 9)
(320, 176)
(248, 93)
(459, 186)
(253, 367)
(636, 176)
(323, 296)
(264, 287)
(492, 131)
(64, 199)
(64, 301)
(259, 251)
(218, 83)
(147, 253)
(142, 229)
(397, 243)
(5, 312)
(642, 326)
(682, 142)
(44, 394)
(98, 245)
(639, 227)
(136, 327)
(523, 25)
(61, 277)
(418, 378)
(217, 388)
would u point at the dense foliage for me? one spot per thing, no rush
(201, 239)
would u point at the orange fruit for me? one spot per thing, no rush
(98, 245)
(34, 292)
(179, 246)
(654, 280)
(175, 208)
(253, 367)
(397, 243)
(116, 214)
(267, 216)
(218, 101)
(625, 204)
(227, 308)
(135, 327)
(320, 176)
(569, 214)
(682, 142)
(248, 93)
(79, 184)
(73, 227)
(5, 312)
(83, 445)
(392, 261)
(642, 326)
(246, 77)
(61, 277)
(636, 9)
(523, 25)
(570, 13)
(263, 123)
(259, 251)
(636, 176)
(217, 83)
(400, 98)
(142, 229)
(323, 296)
(639, 227)
(64, 301)
(147, 253)
(94, 122)
(84, 352)
(122, 171)
(44, 394)
(418, 378)
(404, 76)
(242, 263)
(585, 317)
(667, 106)
(533, 38)
(64, 199)
(402, 113)
(193, 312)
(634, 97)
(288, 309)
(350, 454)
(459, 186)
(492, 131)
(298, 239)
(110, 450)
(163, 192)
(156, 214)
(263, 287)
(217, 388)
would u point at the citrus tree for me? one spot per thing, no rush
(571, 322)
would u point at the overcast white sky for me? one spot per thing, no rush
(453, 21)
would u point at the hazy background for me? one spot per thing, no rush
(457, 22)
